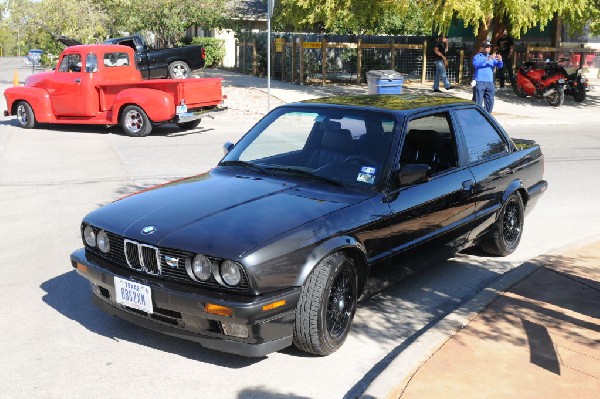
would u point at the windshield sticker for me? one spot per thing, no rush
(366, 175)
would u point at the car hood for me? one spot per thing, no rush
(220, 213)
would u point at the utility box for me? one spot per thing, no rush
(384, 82)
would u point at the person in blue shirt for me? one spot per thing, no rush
(484, 63)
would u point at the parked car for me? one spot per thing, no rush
(99, 84)
(174, 62)
(321, 203)
(33, 57)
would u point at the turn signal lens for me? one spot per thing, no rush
(273, 305)
(218, 310)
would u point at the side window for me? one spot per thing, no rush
(91, 63)
(70, 63)
(116, 59)
(430, 140)
(481, 137)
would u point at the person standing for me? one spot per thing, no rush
(484, 63)
(505, 46)
(440, 49)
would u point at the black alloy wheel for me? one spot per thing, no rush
(505, 235)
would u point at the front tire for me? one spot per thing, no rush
(506, 233)
(557, 98)
(25, 115)
(326, 307)
(579, 93)
(179, 70)
(135, 122)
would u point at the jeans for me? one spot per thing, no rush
(506, 69)
(440, 73)
(484, 92)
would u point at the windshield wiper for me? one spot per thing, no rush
(246, 165)
(304, 172)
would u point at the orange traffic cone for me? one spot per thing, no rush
(16, 78)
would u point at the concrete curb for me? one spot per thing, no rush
(398, 373)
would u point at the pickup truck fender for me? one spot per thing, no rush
(350, 245)
(36, 97)
(157, 104)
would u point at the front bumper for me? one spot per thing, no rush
(179, 310)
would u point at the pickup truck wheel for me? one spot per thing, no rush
(179, 70)
(189, 125)
(25, 115)
(135, 122)
(507, 230)
(326, 307)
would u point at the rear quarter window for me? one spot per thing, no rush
(481, 137)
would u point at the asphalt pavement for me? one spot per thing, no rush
(533, 333)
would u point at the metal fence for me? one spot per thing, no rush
(317, 59)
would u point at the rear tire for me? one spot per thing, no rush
(506, 233)
(179, 70)
(135, 122)
(189, 125)
(557, 98)
(326, 307)
(25, 115)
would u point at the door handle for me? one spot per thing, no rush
(77, 80)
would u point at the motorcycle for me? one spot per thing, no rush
(576, 84)
(545, 83)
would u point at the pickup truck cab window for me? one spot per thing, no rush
(91, 63)
(482, 139)
(116, 59)
(430, 140)
(70, 63)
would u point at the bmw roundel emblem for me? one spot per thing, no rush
(148, 230)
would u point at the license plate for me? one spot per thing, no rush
(134, 295)
(181, 109)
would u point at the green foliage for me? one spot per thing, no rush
(214, 49)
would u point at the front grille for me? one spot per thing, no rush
(147, 259)
(142, 257)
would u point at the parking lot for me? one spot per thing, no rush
(55, 343)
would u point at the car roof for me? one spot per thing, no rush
(36, 50)
(389, 102)
(98, 48)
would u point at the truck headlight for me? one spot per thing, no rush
(231, 273)
(89, 236)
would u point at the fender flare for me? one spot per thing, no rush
(38, 99)
(157, 104)
(344, 243)
(515, 186)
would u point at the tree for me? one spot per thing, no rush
(338, 16)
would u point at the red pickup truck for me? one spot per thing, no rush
(99, 84)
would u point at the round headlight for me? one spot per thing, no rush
(201, 267)
(89, 236)
(103, 243)
(231, 273)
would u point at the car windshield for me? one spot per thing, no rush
(332, 145)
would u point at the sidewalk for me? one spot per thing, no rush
(508, 109)
(540, 338)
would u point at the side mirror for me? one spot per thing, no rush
(228, 146)
(411, 174)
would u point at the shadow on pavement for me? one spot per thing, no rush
(70, 295)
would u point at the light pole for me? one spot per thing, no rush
(271, 5)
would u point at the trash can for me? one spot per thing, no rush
(384, 82)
